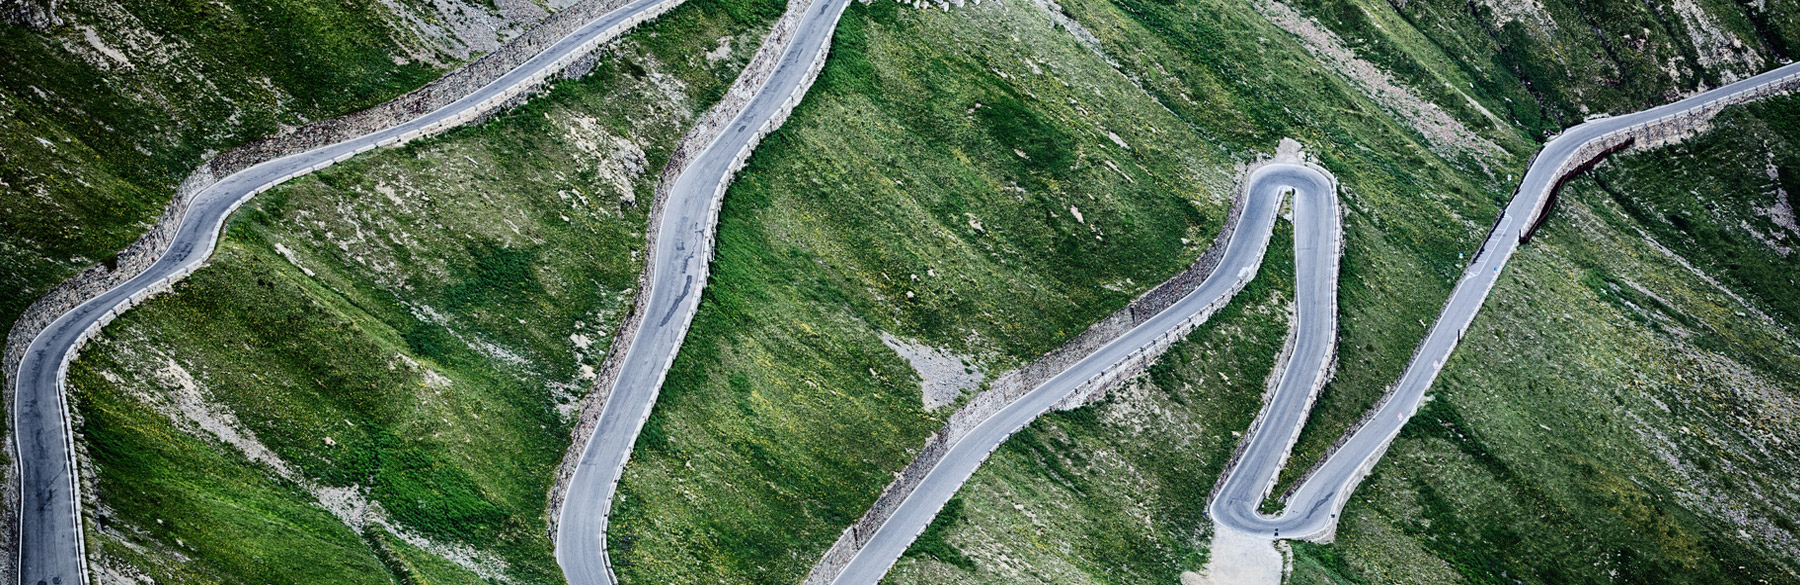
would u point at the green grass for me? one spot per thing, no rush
(929, 187)
(1724, 235)
(1408, 216)
(1409, 213)
(415, 325)
(931, 542)
(91, 149)
(783, 417)
(1660, 457)
(1115, 492)
(1539, 79)
(1591, 57)
(1543, 78)
(203, 503)
(894, 200)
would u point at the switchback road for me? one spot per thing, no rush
(51, 549)
(1315, 257)
(683, 251)
(50, 530)
(1312, 511)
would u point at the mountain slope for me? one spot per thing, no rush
(376, 373)
(1620, 411)
(1006, 530)
(951, 183)
(976, 185)
(105, 107)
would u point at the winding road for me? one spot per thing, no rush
(1311, 512)
(683, 253)
(51, 548)
(50, 530)
(1315, 256)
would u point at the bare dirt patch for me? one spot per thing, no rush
(1239, 559)
(943, 375)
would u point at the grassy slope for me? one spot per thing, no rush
(1665, 453)
(1408, 212)
(1381, 302)
(929, 186)
(876, 180)
(1553, 76)
(411, 326)
(772, 433)
(92, 148)
(1107, 490)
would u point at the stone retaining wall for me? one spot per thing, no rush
(1279, 370)
(139, 255)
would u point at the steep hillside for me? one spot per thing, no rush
(1618, 414)
(954, 182)
(965, 184)
(372, 380)
(372, 377)
(1544, 66)
(1623, 409)
(106, 106)
(1661, 498)
(1106, 493)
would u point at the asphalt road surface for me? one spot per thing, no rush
(50, 531)
(1315, 251)
(1311, 512)
(683, 252)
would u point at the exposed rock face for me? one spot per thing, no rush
(462, 30)
(1530, 12)
(38, 15)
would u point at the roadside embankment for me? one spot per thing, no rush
(1012, 386)
(181, 241)
(705, 131)
(455, 85)
(1672, 127)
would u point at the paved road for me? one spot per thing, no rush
(683, 252)
(1315, 250)
(51, 534)
(50, 551)
(1313, 509)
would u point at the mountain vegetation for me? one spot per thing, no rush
(374, 376)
